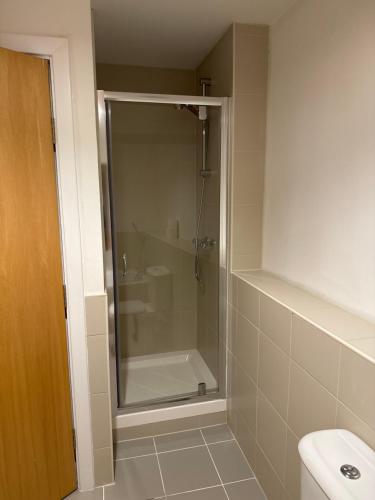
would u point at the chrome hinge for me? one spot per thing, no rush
(53, 128)
(74, 444)
(65, 302)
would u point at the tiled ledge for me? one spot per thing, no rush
(348, 329)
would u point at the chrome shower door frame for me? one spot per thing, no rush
(108, 233)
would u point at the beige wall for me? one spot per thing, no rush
(319, 225)
(248, 144)
(218, 65)
(143, 79)
(288, 378)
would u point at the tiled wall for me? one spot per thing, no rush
(169, 426)
(237, 66)
(98, 358)
(286, 379)
(248, 145)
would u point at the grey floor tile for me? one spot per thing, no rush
(245, 490)
(134, 448)
(230, 462)
(96, 494)
(217, 433)
(216, 493)
(136, 479)
(187, 470)
(178, 440)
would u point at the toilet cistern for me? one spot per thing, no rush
(336, 465)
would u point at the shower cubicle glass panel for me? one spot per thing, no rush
(165, 245)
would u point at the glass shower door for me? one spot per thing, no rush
(163, 179)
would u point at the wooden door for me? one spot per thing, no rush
(36, 446)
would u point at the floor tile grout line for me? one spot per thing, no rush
(239, 481)
(171, 451)
(174, 432)
(211, 487)
(245, 457)
(193, 491)
(161, 475)
(137, 456)
(248, 463)
(217, 472)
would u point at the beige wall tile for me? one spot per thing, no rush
(268, 478)
(315, 351)
(251, 64)
(244, 262)
(101, 420)
(232, 289)
(247, 229)
(218, 65)
(232, 327)
(246, 347)
(244, 395)
(274, 374)
(271, 434)
(249, 122)
(134, 432)
(98, 363)
(275, 321)
(208, 419)
(346, 419)
(248, 302)
(357, 385)
(180, 424)
(251, 29)
(103, 466)
(293, 463)
(248, 177)
(246, 439)
(96, 314)
(311, 406)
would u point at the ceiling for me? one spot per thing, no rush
(171, 33)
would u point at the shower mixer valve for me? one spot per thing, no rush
(205, 243)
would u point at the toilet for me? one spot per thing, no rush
(336, 465)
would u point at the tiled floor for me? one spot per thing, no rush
(200, 464)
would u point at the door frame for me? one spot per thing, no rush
(57, 51)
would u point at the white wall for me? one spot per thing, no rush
(319, 222)
(72, 19)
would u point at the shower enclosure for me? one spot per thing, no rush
(164, 184)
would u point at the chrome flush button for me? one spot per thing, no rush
(350, 472)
